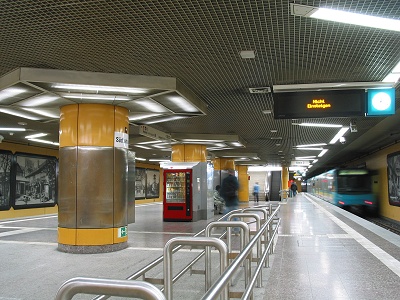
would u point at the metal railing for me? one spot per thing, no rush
(219, 288)
(191, 241)
(223, 281)
(111, 287)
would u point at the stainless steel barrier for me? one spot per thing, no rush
(192, 241)
(221, 284)
(265, 213)
(111, 287)
(258, 225)
(244, 239)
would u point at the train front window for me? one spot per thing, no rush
(354, 183)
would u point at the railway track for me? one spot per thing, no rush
(393, 227)
(389, 225)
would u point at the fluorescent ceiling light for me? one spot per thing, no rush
(159, 159)
(143, 147)
(220, 145)
(38, 100)
(218, 148)
(309, 148)
(345, 17)
(149, 142)
(319, 125)
(151, 105)
(305, 157)
(314, 161)
(202, 141)
(44, 142)
(237, 144)
(311, 145)
(33, 136)
(42, 113)
(99, 88)
(18, 114)
(139, 158)
(322, 152)
(95, 97)
(183, 104)
(137, 117)
(392, 77)
(330, 86)
(247, 54)
(11, 129)
(10, 92)
(340, 133)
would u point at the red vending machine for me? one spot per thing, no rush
(178, 195)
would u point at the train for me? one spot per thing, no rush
(346, 188)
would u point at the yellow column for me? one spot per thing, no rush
(189, 153)
(243, 178)
(226, 164)
(285, 178)
(93, 178)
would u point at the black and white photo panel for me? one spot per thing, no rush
(34, 180)
(5, 179)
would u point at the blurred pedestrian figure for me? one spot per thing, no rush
(218, 201)
(256, 191)
(293, 188)
(229, 188)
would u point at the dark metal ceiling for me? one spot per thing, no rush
(198, 42)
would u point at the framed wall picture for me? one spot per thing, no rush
(152, 183)
(393, 173)
(140, 183)
(34, 181)
(5, 179)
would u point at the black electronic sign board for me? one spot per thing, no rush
(319, 104)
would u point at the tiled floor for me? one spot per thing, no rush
(322, 252)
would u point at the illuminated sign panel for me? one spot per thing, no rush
(381, 102)
(294, 105)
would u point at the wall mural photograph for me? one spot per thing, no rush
(140, 183)
(35, 181)
(5, 179)
(153, 184)
(393, 173)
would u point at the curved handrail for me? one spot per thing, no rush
(111, 287)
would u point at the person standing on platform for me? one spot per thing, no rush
(293, 188)
(229, 188)
(256, 191)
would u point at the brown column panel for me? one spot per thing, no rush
(95, 181)
(67, 187)
(120, 186)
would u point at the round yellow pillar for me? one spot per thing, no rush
(92, 216)
(189, 153)
(285, 178)
(243, 177)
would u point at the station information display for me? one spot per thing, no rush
(319, 104)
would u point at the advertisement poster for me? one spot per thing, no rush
(393, 173)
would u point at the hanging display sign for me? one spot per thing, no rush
(154, 133)
(319, 104)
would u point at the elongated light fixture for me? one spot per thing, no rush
(342, 16)
(340, 133)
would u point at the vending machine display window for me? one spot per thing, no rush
(177, 195)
